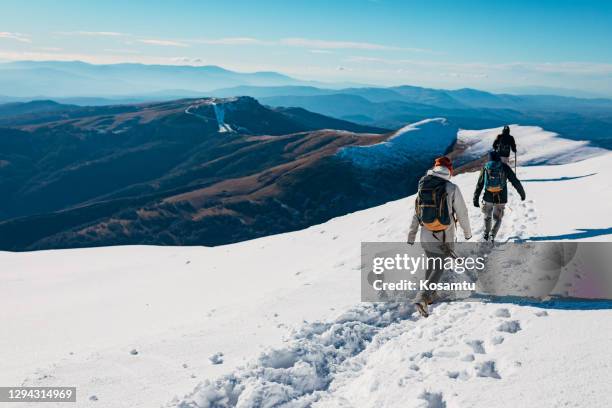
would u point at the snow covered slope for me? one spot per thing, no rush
(481, 355)
(135, 326)
(534, 145)
(421, 139)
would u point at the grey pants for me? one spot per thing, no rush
(493, 212)
(433, 274)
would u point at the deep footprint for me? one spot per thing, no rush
(477, 346)
(434, 399)
(503, 312)
(511, 326)
(487, 369)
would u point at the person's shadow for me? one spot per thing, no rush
(580, 234)
(565, 178)
(553, 302)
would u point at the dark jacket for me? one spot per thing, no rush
(502, 196)
(504, 139)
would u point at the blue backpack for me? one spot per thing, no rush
(494, 177)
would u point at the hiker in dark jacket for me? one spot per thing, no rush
(504, 144)
(493, 177)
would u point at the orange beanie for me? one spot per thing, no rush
(446, 162)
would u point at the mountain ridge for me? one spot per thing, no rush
(204, 171)
(77, 78)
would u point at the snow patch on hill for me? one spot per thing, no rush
(409, 144)
(220, 115)
(218, 109)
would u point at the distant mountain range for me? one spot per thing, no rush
(55, 79)
(203, 171)
(78, 83)
(574, 118)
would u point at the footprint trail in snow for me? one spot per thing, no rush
(351, 361)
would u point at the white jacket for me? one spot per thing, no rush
(456, 207)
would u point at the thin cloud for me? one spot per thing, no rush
(90, 58)
(577, 68)
(188, 61)
(325, 44)
(163, 43)
(231, 41)
(316, 46)
(122, 51)
(101, 33)
(321, 46)
(94, 33)
(560, 68)
(359, 58)
(15, 36)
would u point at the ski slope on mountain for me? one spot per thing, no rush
(278, 319)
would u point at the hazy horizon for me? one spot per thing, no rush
(438, 44)
(524, 90)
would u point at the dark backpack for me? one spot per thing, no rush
(503, 146)
(494, 177)
(431, 206)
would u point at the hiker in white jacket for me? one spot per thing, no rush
(438, 235)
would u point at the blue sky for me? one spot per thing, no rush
(485, 44)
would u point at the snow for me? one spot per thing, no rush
(412, 127)
(534, 145)
(406, 145)
(220, 115)
(283, 313)
(218, 108)
(216, 358)
(550, 362)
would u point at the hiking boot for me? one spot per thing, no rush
(422, 308)
(485, 237)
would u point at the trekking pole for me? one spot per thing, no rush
(515, 162)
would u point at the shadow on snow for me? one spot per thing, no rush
(580, 234)
(556, 179)
(549, 303)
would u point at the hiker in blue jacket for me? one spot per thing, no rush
(493, 179)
